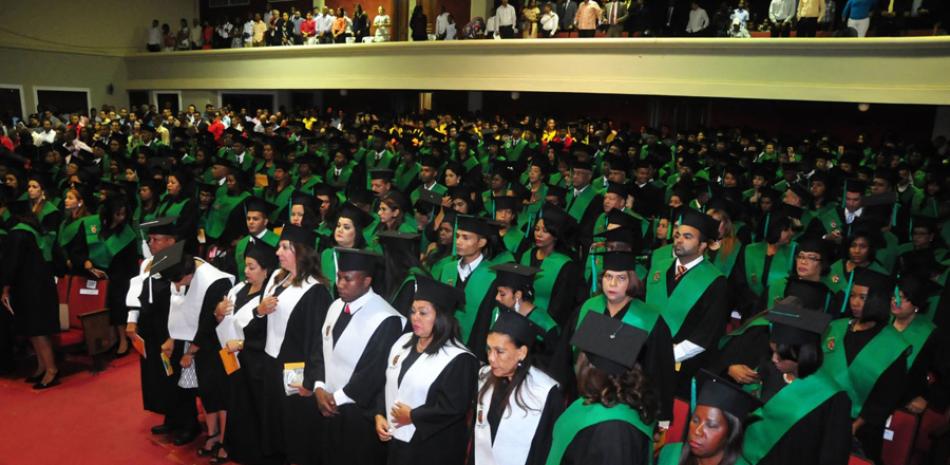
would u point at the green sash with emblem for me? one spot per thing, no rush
(676, 305)
(476, 287)
(222, 207)
(576, 206)
(781, 265)
(544, 281)
(270, 238)
(101, 252)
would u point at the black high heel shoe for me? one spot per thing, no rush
(35, 378)
(53, 382)
(202, 452)
(219, 460)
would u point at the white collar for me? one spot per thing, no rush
(360, 302)
(261, 235)
(690, 265)
(471, 266)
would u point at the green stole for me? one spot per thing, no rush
(476, 287)
(308, 186)
(328, 267)
(579, 416)
(676, 306)
(544, 281)
(783, 411)
(756, 321)
(916, 334)
(68, 230)
(220, 210)
(670, 454)
(755, 265)
(417, 192)
(282, 200)
(724, 262)
(576, 206)
(403, 176)
(513, 239)
(45, 247)
(342, 179)
(171, 209)
(270, 238)
(859, 378)
(639, 314)
(101, 252)
(410, 277)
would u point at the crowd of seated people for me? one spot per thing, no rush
(566, 18)
(356, 288)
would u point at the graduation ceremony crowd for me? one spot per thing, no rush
(344, 288)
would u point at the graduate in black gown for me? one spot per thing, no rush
(909, 306)
(614, 419)
(517, 402)
(430, 383)
(241, 332)
(807, 415)
(618, 283)
(148, 300)
(29, 292)
(196, 288)
(715, 430)
(295, 302)
(559, 287)
(515, 285)
(692, 295)
(868, 357)
(347, 368)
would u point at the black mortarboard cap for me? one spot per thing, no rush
(706, 224)
(164, 225)
(514, 275)
(167, 259)
(265, 255)
(507, 202)
(356, 260)
(396, 238)
(812, 295)
(298, 234)
(619, 189)
(445, 298)
(475, 225)
(381, 173)
(918, 289)
(517, 326)
(714, 391)
(257, 204)
(620, 261)
(855, 185)
(802, 192)
(794, 324)
(611, 345)
(360, 218)
(877, 282)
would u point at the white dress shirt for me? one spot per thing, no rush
(698, 20)
(506, 16)
(686, 350)
(466, 270)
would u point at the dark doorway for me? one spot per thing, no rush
(137, 98)
(168, 100)
(251, 102)
(10, 104)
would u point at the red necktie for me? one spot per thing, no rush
(680, 271)
(346, 309)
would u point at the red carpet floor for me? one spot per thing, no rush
(88, 419)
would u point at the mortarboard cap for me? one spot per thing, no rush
(298, 234)
(475, 225)
(794, 324)
(517, 326)
(167, 259)
(257, 204)
(164, 226)
(707, 225)
(611, 345)
(264, 254)
(381, 173)
(356, 259)
(514, 275)
(620, 261)
(716, 392)
(918, 289)
(445, 298)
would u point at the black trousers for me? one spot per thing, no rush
(154, 47)
(782, 29)
(807, 27)
(586, 32)
(182, 414)
(507, 32)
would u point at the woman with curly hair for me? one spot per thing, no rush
(614, 418)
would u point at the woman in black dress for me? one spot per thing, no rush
(418, 23)
(29, 292)
(243, 334)
(430, 383)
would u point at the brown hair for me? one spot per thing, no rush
(632, 388)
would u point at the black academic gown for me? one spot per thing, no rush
(569, 291)
(352, 431)
(248, 403)
(931, 361)
(441, 433)
(480, 328)
(704, 326)
(124, 267)
(655, 359)
(212, 379)
(608, 443)
(158, 390)
(822, 437)
(884, 397)
(750, 348)
(33, 294)
(302, 424)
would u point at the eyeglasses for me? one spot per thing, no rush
(808, 258)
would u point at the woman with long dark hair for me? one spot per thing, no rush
(430, 382)
(79, 206)
(557, 287)
(614, 417)
(350, 224)
(29, 291)
(179, 201)
(401, 266)
(245, 336)
(818, 429)
(43, 204)
(295, 303)
(517, 402)
(717, 426)
(419, 23)
(113, 252)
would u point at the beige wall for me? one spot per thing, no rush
(45, 69)
(105, 27)
(907, 70)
